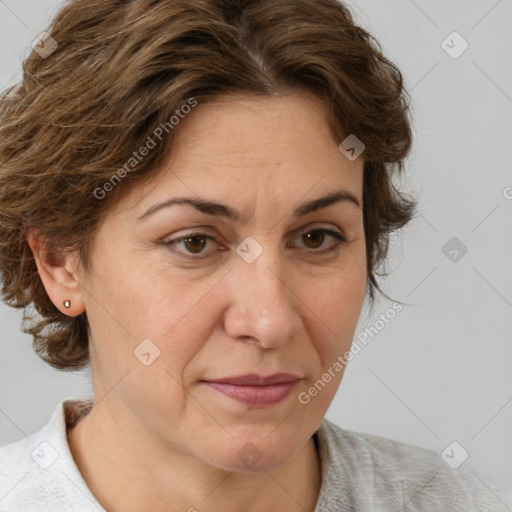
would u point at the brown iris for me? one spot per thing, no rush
(195, 247)
(315, 235)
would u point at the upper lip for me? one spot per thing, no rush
(253, 379)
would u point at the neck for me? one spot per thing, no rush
(110, 458)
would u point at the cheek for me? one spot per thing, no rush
(154, 327)
(136, 303)
(333, 320)
(336, 305)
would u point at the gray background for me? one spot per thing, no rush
(440, 370)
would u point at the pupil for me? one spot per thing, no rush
(314, 234)
(195, 238)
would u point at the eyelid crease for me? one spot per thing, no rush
(195, 231)
(339, 239)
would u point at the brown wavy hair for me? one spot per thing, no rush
(124, 67)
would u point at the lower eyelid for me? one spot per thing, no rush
(339, 239)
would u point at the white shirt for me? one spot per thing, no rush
(360, 472)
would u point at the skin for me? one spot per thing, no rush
(158, 438)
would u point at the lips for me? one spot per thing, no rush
(253, 379)
(254, 390)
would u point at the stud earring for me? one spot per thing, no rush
(67, 304)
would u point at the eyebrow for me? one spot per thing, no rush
(221, 210)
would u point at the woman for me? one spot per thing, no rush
(195, 198)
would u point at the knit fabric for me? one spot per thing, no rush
(360, 472)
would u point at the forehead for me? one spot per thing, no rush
(256, 125)
(281, 147)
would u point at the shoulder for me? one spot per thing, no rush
(24, 484)
(38, 472)
(391, 474)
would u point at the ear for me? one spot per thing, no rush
(59, 274)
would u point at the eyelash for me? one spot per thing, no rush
(339, 240)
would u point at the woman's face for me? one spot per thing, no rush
(261, 294)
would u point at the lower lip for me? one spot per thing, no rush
(256, 395)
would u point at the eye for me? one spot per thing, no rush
(316, 237)
(194, 243)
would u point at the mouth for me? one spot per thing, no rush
(255, 390)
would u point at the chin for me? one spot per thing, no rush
(253, 453)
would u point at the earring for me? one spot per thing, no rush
(67, 304)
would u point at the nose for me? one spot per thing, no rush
(263, 304)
